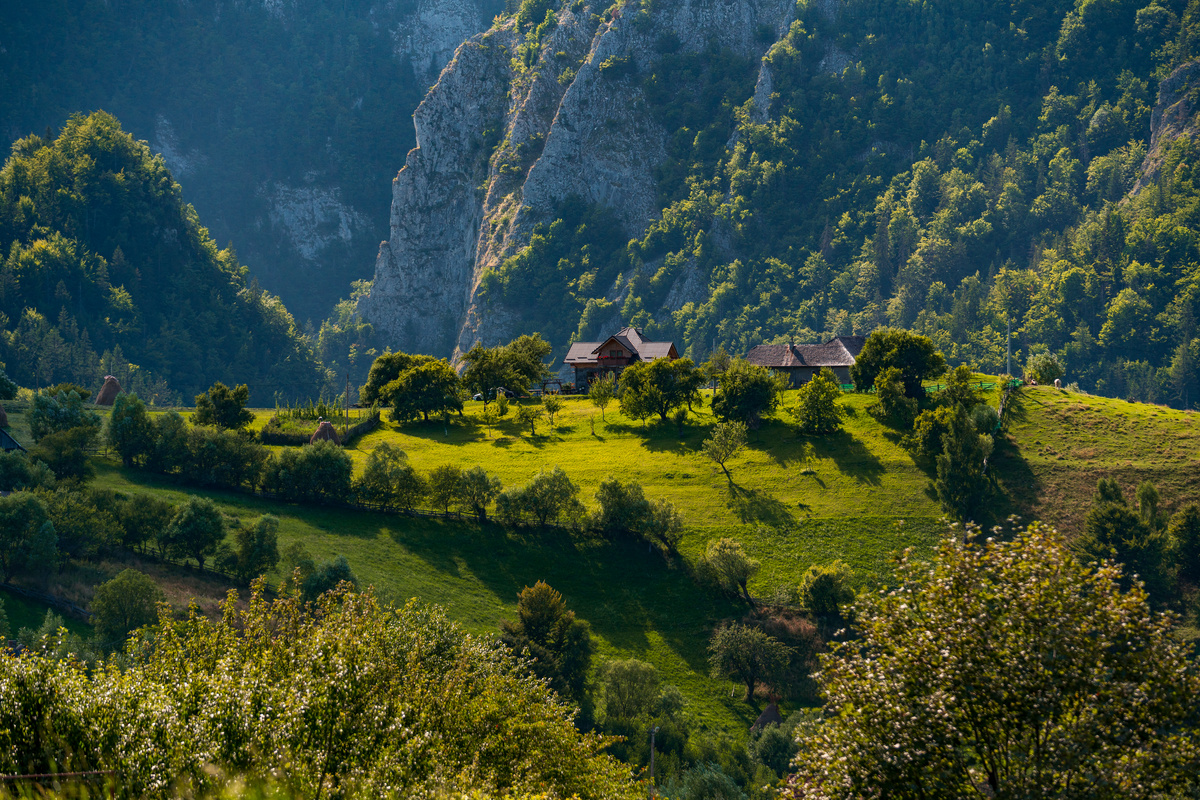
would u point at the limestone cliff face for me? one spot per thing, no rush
(1174, 116)
(500, 145)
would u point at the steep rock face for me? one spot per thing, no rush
(576, 124)
(429, 37)
(1174, 116)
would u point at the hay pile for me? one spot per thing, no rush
(325, 432)
(108, 392)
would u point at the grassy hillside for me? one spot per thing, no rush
(1063, 442)
(793, 501)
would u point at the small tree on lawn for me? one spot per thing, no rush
(529, 415)
(130, 430)
(477, 490)
(443, 486)
(961, 483)
(727, 439)
(748, 655)
(602, 392)
(196, 530)
(726, 564)
(817, 409)
(223, 407)
(748, 391)
(381, 476)
(125, 603)
(553, 404)
(257, 547)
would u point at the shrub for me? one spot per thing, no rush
(130, 430)
(318, 472)
(327, 576)
(61, 412)
(1044, 367)
(825, 589)
(125, 603)
(65, 452)
(817, 409)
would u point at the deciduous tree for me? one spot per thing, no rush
(747, 392)
(196, 530)
(914, 355)
(726, 564)
(548, 632)
(817, 409)
(602, 391)
(728, 438)
(223, 407)
(125, 603)
(748, 655)
(961, 483)
(1005, 669)
(130, 430)
(28, 542)
(659, 386)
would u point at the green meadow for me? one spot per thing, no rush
(792, 501)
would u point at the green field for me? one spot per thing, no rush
(793, 501)
(25, 613)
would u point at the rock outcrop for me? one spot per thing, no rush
(499, 146)
(1174, 116)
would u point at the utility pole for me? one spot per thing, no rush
(1008, 342)
(346, 410)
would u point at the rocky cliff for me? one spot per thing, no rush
(1174, 117)
(519, 121)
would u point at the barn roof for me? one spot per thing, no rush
(839, 351)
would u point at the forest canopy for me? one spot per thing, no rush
(107, 271)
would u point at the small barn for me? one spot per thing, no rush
(800, 362)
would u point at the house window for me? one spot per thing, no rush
(614, 353)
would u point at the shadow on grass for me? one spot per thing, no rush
(625, 592)
(851, 457)
(758, 506)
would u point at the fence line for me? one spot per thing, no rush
(55, 602)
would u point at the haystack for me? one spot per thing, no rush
(108, 392)
(770, 716)
(325, 431)
(3, 418)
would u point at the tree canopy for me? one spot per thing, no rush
(1009, 666)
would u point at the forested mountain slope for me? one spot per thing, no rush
(283, 119)
(107, 270)
(809, 170)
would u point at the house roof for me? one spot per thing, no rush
(7, 442)
(627, 338)
(837, 352)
